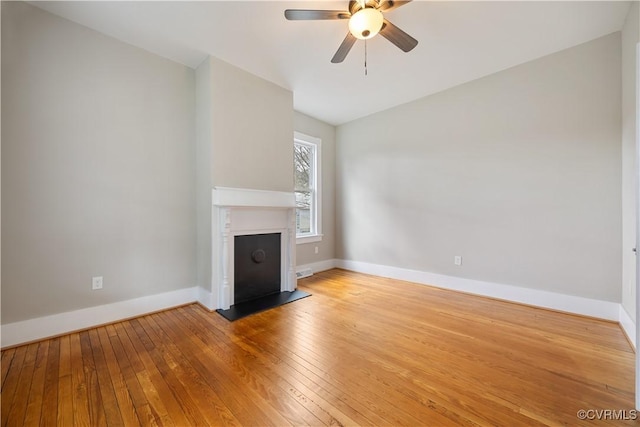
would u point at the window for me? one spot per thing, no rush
(306, 151)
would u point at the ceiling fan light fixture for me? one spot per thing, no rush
(366, 23)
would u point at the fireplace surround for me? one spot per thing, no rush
(244, 212)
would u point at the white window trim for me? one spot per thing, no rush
(317, 179)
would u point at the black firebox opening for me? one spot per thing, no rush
(256, 266)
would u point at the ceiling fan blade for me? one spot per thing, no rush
(308, 15)
(398, 37)
(344, 48)
(387, 5)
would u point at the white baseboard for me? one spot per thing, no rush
(58, 324)
(628, 326)
(206, 299)
(319, 266)
(551, 300)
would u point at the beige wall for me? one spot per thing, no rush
(251, 131)
(518, 173)
(244, 127)
(98, 152)
(327, 133)
(630, 37)
(204, 171)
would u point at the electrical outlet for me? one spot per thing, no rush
(96, 283)
(457, 260)
(316, 249)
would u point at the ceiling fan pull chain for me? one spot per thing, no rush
(365, 57)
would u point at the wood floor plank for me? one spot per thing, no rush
(121, 392)
(312, 387)
(65, 386)
(19, 407)
(394, 352)
(11, 383)
(36, 393)
(243, 401)
(362, 350)
(213, 409)
(154, 410)
(183, 398)
(79, 392)
(370, 401)
(475, 368)
(153, 379)
(105, 384)
(97, 416)
(50, 398)
(5, 362)
(312, 380)
(300, 387)
(345, 372)
(65, 404)
(274, 391)
(131, 384)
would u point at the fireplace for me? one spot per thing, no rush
(256, 266)
(237, 213)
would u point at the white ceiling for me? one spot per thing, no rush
(459, 41)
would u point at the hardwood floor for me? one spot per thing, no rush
(362, 350)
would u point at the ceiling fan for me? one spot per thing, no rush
(365, 21)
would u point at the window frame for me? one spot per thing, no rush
(316, 189)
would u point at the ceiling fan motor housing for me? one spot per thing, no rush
(355, 5)
(366, 23)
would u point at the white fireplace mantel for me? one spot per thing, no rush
(241, 211)
(229, 197)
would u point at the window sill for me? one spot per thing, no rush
(308, 239)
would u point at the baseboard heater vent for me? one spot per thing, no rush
(306, 272)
